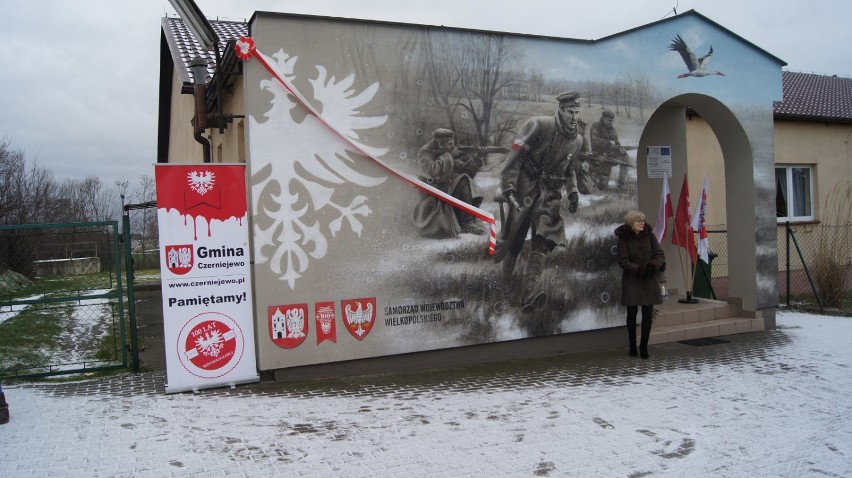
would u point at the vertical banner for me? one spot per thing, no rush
(204, 267)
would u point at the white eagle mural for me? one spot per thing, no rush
(298, 180)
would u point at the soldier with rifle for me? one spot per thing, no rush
(539, 166)
(446, 167)
(606, 152)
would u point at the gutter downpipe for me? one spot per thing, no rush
(200, 123)
(205, 145)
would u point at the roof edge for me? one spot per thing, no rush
(812, 118)
(174, 51)
(695, 13)
(409, 25)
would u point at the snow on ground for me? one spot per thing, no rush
(90, 320)
(766, 404)
(8, 312)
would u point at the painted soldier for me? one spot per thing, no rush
(444, 167)
(539, 166)
(607, 152)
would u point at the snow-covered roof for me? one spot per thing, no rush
(184, 47)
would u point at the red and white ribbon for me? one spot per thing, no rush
(246, 49)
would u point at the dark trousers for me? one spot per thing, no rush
(632, 311)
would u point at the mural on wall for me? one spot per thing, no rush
(696, 66)
(540, 133)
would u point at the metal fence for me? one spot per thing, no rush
(61, 299)
(814, 265)
(718, 237)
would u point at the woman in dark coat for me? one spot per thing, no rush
(641, 259)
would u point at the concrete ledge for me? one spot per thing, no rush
(669, 319)
(725, 312)
(704, 329)
(531, 348)
(707, 314)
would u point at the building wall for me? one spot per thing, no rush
(227, 147)
(825, 146)
(182, 145)
(334, 231)
(230, 145)
(705, 157)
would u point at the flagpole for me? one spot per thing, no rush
(699, 227)
(694, 270)
(689, 299)
(680, 257)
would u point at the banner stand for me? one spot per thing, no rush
(208, 315)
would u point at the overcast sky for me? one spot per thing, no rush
(78, 82)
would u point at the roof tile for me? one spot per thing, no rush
(189, 48)
(815, 97)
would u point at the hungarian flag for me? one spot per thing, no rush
(665, 211)
(682, 236)
(699, 225)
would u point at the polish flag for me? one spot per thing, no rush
(699, 225)
(683, 236)
(665, 211)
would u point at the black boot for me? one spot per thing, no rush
(4, 409)
(534, 298)
(646, 331)
(631, 333)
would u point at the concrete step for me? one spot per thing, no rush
(704, 329)
(675, 321)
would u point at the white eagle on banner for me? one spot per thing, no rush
(201, 182)
(298, 163)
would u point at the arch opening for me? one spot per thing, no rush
(730, 169)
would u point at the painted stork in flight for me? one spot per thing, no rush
(696, 66)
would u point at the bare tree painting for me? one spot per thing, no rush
(467, 78)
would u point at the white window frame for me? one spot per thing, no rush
(791, 194)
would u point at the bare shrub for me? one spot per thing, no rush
(833, 254)
(830, 277)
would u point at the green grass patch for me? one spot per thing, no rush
(45, 338)
(108, 347)
(27, 338)
(68, 285)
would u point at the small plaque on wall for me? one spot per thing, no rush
(659, 161)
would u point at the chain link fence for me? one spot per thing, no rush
(61, 302)
(718, 238)
(144, 249)
(814, 265)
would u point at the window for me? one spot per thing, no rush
(794, 193)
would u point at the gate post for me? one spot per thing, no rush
(131, 295)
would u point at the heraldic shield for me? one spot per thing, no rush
(179, 258)
(359, 315)
(288, 324)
